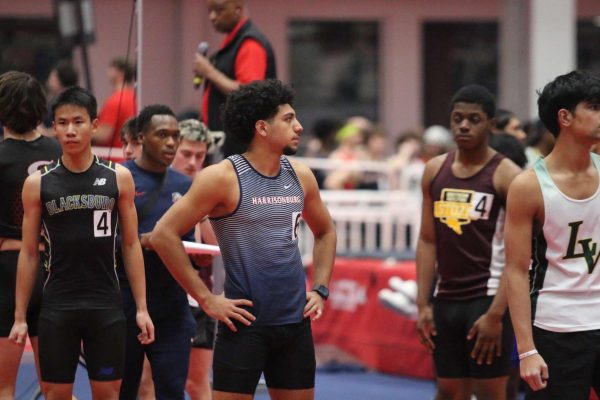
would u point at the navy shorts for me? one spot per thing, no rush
(169, 354)
(8, 281)
(61, 334)
(452, 354)
(573, 360)
(204, 337)
(284, 353)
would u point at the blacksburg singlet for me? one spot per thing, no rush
(79, 217)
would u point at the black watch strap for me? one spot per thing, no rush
(322, 291)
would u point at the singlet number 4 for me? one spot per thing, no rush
(102, 221)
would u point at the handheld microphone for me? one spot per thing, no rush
(202, 50)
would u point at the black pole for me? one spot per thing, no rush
(83, 43)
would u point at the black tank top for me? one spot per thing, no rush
(18, 159)
(468, 221)
(79, 216)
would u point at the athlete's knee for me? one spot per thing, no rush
(452, 391)
(105, 390)
(54, 391)
(198, 389)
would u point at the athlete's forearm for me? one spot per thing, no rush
(520, 307)
(27, 270)
(324, 257)
(425, 271)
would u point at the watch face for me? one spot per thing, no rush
(322, 291)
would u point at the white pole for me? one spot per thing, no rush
(139, 54)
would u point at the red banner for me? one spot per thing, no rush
(356, 322)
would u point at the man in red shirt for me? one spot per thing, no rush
(244, 56)
(120, 106)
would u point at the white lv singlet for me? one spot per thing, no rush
(565, 294)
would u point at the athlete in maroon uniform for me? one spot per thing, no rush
(461, 230)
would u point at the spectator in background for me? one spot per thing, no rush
(509, 146)
(507, 121)
(322, 144)
(407, 164)
(130, 139)
(244, 56)
(63, 75)
(350, 139)
(120, 106)
(540, 142)
(375, 150)
(437, 140)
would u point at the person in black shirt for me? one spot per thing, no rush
(23, 150)
(79, 200)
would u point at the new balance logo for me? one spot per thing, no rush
(99, 182)
(287, 186)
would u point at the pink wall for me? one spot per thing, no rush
(172, 30)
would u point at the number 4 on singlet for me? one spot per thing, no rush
(102, 222)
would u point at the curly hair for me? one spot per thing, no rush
(566, 91)
(22, 102)
(259, 100)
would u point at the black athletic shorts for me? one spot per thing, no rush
(8, 281)
(452, 354)
(573, 360)
(62, 334)
(204, 336)
(284, 353)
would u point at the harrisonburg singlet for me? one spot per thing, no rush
(565, 293)
(18, 160)
(469, 224)
(259, 244)
(80, 217)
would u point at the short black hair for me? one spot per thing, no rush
(78, 96)
(123, 65)
(130, 128)
(259, 100)
(565, 92)
(144, 119)
(503, 117)
(476, 94)
(66, 73)
(22, 102)
(510, 147)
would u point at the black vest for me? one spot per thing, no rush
(224, 61)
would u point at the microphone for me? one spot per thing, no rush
(202, 50)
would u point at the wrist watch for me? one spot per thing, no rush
(321, 290)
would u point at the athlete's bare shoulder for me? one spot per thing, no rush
(221, 172)
(432, 167)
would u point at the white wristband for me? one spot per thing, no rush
(527, 354)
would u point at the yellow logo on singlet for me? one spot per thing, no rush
(458, 207)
